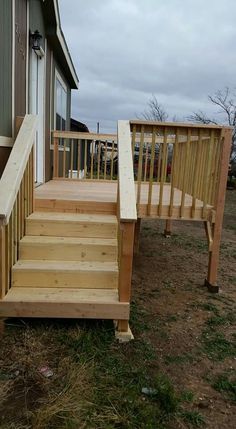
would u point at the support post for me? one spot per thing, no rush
(211, 280)
(167, 230)
(137, 236)
(125, 268)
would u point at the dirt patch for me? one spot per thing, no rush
(184, 351)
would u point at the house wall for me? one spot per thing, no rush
(21, 47)
(6, 68)
(5, 77)
(36, 21)
(17, 19)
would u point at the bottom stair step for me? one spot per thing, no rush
(63, 303)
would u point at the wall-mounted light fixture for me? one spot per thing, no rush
(36, 43)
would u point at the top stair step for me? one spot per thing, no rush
(71, 225)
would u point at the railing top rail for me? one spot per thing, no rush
(15, 167)
(84, 136)
(178, 124)
(127, 197)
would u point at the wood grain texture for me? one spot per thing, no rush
(127, 199)
(63, 303)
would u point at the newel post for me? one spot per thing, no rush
(125, 266)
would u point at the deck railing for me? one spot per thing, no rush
(88, 156)
(126, 213)
(16, 199)
(185, 157)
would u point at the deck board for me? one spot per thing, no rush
(103, 194)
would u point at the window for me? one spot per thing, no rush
(61, 104)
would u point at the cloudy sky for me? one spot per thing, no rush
(126, 50)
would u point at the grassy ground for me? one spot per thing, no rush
(183, 355)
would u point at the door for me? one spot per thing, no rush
(37, 107)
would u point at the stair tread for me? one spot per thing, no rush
(50, 265)
(73, 217)
(40, 239)
(62, 295)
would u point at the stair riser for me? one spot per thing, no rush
(65, 310)
(68, 252)
(80, 280)
(70, 229)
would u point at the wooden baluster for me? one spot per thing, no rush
(185, 170)
(7, 257)
(140, 167)
(25, 196)
(163, 172)
(146, 162)
(217, 170)
(30, 185)
(174, 167)
(207, 174)
(71, 158)
(159, 162)
(112, 160)
(78, 157)
(85, 157)
(18, 220)
(92, 160)
(15, 225)
(99, 160)
(64, 158)
(196, 173)
(105, 162)
(133, 139)
(55, 158)
(212, 169)
(151, 170)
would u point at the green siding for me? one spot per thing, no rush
(6, 68)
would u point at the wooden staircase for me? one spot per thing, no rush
(67, 267)
(60, 257)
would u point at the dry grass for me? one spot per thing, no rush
(68, 405)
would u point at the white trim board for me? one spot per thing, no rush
(6, 141)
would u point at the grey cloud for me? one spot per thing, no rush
(126, 50)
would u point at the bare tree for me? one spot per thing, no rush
(226, 103)
(155, 111)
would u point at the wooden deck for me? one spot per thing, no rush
(101, 197)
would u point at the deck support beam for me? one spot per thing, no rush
(211, 280)
(167, 230)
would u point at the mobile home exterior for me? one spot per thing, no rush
(36, 76)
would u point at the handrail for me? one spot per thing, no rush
(12, 176)
(177, 124)
(127, 198)
(16, 199)
(84, 136)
